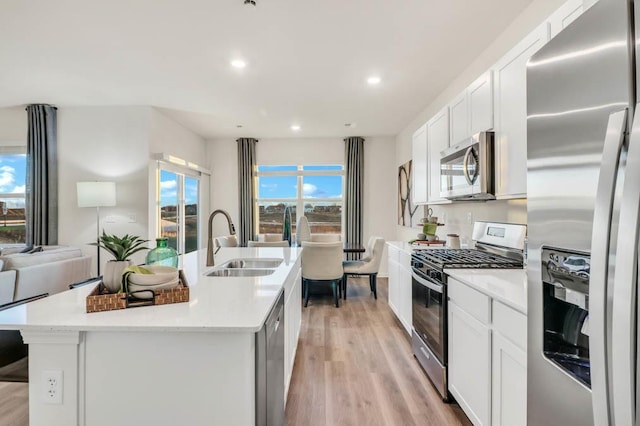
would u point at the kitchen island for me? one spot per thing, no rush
(187, 363)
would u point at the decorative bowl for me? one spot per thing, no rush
(160, 275)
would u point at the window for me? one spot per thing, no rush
(312, 191)
(13, 172)
(178, 197)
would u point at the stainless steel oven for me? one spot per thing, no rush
(466, 169)
(429, 336)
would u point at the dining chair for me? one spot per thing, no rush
(368, 265)
(267, 238)
(303, 231)
(267, 243)
(322, 262)
(227, 241)
(325, 238)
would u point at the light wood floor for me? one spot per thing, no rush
(14, 404)
(354, 366)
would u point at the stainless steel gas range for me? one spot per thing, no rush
(498, 245)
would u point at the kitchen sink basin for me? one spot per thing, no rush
(251, 263)
(240, 272)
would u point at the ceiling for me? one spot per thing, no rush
(308, 61)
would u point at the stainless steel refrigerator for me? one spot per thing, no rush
(583, 185)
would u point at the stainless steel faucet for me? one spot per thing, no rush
(232, 231)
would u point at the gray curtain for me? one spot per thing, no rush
(354, 191)
(42, 176)
(247, 189)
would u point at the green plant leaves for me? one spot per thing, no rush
(122, 248)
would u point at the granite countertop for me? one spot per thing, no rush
(508, 286)
(219, 304)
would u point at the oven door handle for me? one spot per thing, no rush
(439, 288)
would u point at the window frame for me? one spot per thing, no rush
(300, 200)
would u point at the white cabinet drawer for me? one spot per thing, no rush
(510, 323)
(473, 302)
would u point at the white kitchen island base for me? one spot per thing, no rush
(190, 363)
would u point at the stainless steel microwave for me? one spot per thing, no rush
(466, 169)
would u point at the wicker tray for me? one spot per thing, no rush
(100, 300)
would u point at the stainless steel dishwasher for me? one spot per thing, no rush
(270, 368)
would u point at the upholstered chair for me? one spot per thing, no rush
(325, 238)
(303, 231)
(267, 238)
(322, 263)
(267, 243)
(368, 265)
(227, 241)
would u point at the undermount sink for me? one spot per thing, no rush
(240, 272)
(251, 263)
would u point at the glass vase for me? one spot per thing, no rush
(162, 254)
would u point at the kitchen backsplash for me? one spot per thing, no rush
(459, 217)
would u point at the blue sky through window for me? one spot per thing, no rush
(169, 189)
(287, 186)
(13, 176)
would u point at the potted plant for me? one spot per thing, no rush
(121, 248)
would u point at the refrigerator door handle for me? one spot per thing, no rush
(623, 327)
(613, 143)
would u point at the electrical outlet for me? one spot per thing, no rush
(52, 386)
(469, 218)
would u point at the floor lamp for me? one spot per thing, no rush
(96, 194)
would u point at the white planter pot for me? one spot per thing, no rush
(112, 277)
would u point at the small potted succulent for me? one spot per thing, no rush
(121, 248)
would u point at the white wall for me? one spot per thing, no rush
(115, 143)
(380, 175)
(103, 143)
(456, 214)
(13, 126)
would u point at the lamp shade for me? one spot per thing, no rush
(96, 194)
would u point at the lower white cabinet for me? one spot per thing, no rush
(470, 364)
(509, 387)
(399, 267)
(292, 322)
(487, 357)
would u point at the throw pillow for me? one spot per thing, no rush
(27, 249)
(36, 250)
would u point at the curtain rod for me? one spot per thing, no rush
(49, 105)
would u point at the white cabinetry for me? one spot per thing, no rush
(565, 15)
(459, 118)
(419, 166)
(509, 363)
(472, 111)
(510, 96)
(399, 268)
(487, 357)
(481, 104)
(292, 321)
(469, 353)
(438, 140)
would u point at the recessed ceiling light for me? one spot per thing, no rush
(352, 125)
(239, 126)
(373, 80)
(238, 63)
(295, 128)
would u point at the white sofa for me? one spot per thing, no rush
(51, 270)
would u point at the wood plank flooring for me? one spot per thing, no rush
(354, 366)
(14, 404)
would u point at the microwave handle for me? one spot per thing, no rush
(465, 165)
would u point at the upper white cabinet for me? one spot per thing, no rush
(481, 104)
(510, 115)
(459, 118)
(472, 110)
(437, 141)
(565, 15)
(419, 166)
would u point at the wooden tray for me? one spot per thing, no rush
(430, 243)
(100, 300)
